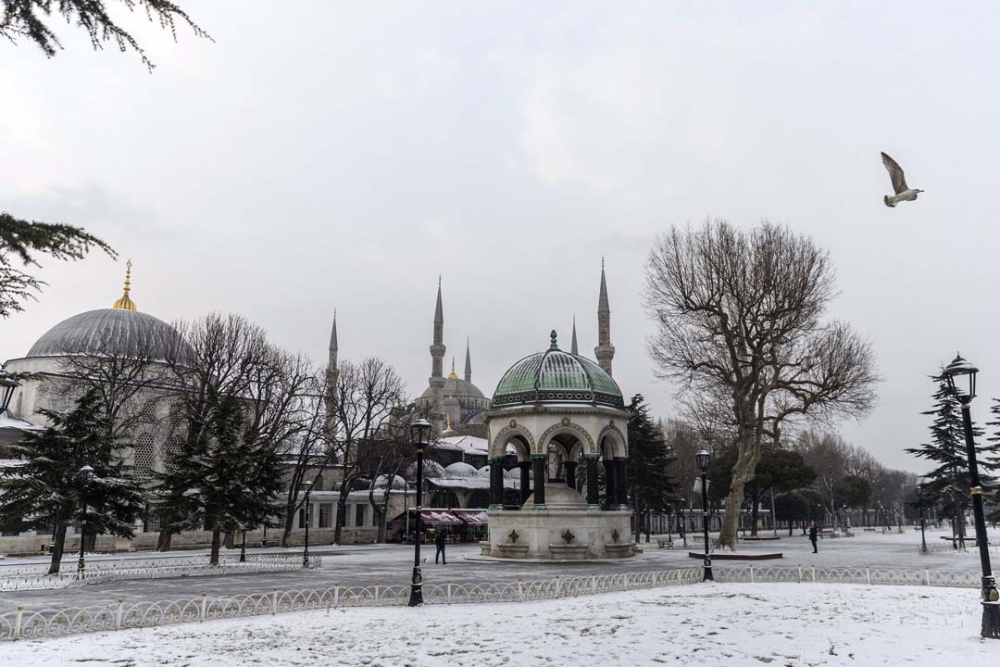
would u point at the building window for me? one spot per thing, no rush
(325, 515)
(142, 456)
(359, 515)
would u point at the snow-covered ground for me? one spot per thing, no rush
(730, 625)
(391, 565)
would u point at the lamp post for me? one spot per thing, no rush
(305, 508)
(86, 472)
(7, 387)
(702, 457)
(990, 596)
(419, 432)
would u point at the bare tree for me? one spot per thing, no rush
(129, 375)
(387, 457)
(365, 395)
(309, 452)
(739, 315)
(216, 356)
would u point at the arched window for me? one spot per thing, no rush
(142, 457)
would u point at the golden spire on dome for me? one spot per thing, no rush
(447, 420)
(452, 376)
(125, 303)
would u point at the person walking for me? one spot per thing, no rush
(813, 535)
(439, 542)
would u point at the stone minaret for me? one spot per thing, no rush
(437, 363)
(573, 348)
(332, 375)
(604, 351)
(468, 363)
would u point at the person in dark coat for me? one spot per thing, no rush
(439, 543)
(813, 535)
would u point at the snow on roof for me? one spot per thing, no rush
(12, 463)
(6, 421)
(470, 444)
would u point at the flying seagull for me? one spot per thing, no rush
(903, 191)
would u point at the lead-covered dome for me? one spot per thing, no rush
(118, 331)
(559, 377)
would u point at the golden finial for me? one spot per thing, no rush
(452, 375)
(602, 262)
(126, 303)
(447, 422)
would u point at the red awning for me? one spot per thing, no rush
(439, 517)
(472, 517)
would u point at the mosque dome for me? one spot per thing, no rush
(460, 469)
(432, 470)
(557, 376)
(119, 330)
(457, 387)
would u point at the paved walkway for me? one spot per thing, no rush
(391, 565)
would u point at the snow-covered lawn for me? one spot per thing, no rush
(729, 625)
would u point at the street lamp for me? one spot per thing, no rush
(419, 432)
(305, 508)
(86, 473)
(702, 457)
(7, 386)
(990, 596)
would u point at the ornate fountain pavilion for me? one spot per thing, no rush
(557, 410)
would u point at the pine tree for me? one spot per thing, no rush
(992, 451)
(47, 491)
(221, 481)
(948, 483)
(21, 242)
(653, 489)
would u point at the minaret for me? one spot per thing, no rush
(468, 363)
(604, 351)
(332, 376)
(573, 348)
(437, 362)
(125, 302)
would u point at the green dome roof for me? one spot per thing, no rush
(559, 377)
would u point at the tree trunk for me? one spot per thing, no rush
(230, 540)
(341, 519)
(216, 544)
(754, 511)
(287, 529)
(164, 539)
(58, 545)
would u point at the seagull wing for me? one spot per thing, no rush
(895, 173)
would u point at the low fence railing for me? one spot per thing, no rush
(23, 579)
(25, 623)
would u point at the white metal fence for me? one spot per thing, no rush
(100, 571)
(25, 623)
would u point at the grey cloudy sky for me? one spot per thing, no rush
(342, 155)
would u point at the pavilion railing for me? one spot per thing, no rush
(25, 623)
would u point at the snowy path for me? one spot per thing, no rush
(730, 625)
(390, 564)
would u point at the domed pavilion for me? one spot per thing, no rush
(564, 416)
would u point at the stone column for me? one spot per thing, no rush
(621, 484)
(496, 482)
(593, 492)
(570, 474)
(538, 462)
(525, 467)
(610, 479)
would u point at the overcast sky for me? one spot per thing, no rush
(342, 155)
